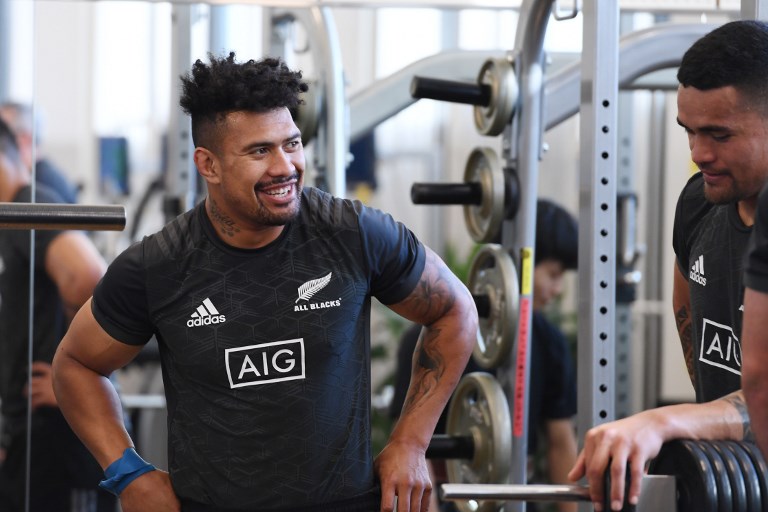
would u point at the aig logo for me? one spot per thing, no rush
(268, 362)
(720, 347)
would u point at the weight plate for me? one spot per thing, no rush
(754, 493)
(308, 113)
(499, 75)
(761, 470)
(722, 479)
(478, 408)
(483, 221)
(695, 479)
(492, 273)
(738, 486)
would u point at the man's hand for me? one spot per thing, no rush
(40, 388)
(151, 491)
(629, 442)
(402, 471)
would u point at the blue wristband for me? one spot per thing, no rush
(123, 471)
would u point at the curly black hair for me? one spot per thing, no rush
(210, 91)
(734, 54)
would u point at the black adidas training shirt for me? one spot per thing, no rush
(265, 353)
(710, 242)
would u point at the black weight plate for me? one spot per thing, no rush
(754, 492)
(695, 479)
(724, 492)
(761, 470)
(738, 487)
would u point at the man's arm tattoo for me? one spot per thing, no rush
(737, 401)
(225, 222)
(428, 367)
(433, 297)
(683, 320)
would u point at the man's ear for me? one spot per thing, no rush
(207, 165)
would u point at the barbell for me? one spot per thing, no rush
(488, 195)
(494, 95)
(62, 216)
(477, 447)
(708, 476)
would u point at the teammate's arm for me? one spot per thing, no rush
(681, 305)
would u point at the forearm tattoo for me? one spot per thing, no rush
(683, 320)
(225, 223)
(737, 401)
(428, 367)
(432, 298)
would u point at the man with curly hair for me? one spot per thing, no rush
(260, 299)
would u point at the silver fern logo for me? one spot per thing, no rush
(309, 289)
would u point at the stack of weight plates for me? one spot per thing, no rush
(715, 476)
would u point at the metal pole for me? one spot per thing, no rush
(219, 24)
(597, 214)
(334, 130)
(754, 9)
(522, 147)
(180, 176)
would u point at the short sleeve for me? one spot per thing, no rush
(119, 300)
(691, 207)
(395, 256)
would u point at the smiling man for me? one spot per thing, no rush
(260, 299)
(723, 106)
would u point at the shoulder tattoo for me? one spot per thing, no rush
(434, 294)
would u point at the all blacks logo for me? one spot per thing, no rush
(206, 320)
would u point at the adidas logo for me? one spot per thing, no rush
(697, 272)
(206, 314)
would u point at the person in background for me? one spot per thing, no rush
(722, 104)
(63, 475)
(552, 400)
(23, 122)
(259, 298)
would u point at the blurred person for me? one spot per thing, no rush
(64, 476)
(25, 124)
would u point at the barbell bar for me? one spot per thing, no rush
(62, 216)
(658, 493)
(488, 194)
(494, 95)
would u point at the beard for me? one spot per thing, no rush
(733, 192)
(283, 215)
